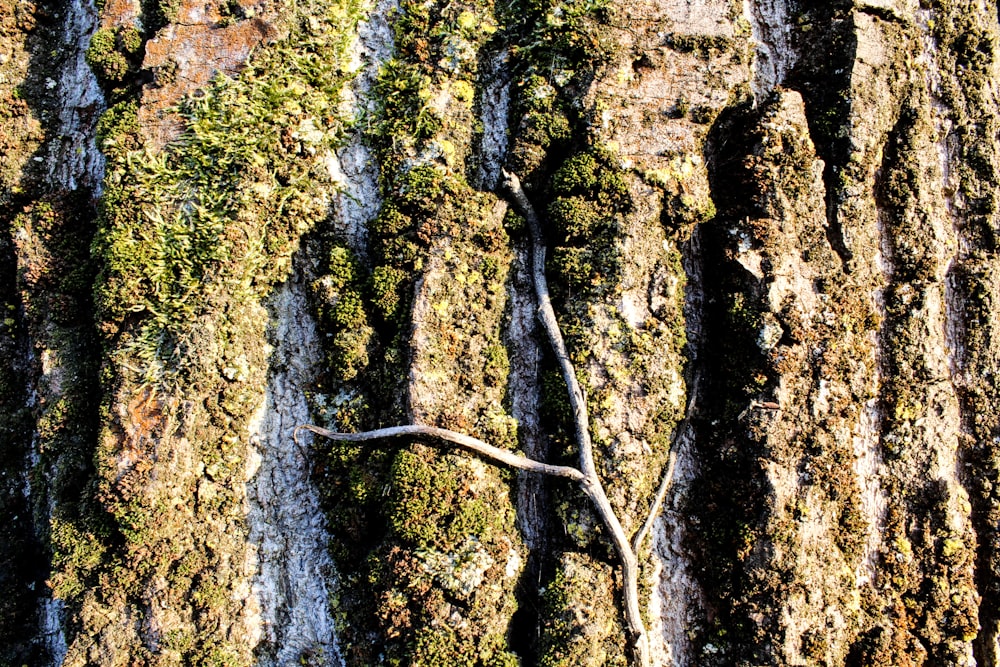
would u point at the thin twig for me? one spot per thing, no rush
(591, 483)
(668, 473)
(438, 436)
(654, 509)
(547, 316)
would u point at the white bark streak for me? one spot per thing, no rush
(287, 527)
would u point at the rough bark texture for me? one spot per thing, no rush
(771, 232)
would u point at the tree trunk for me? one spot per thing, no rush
(770, 235)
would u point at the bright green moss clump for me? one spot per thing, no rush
(590, 195)
(430, 508)
(387, 286)
(208, 212)
(113, 52)
(118, 128)
(338, 298)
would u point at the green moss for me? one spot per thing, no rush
(349, 349)
(418, 191)
(231, 12)
(387, 286)
(431, 510)
(129, 40)
(578, 175)
(585, 218)
(348, 312)
(575, 268)
(104, 58)
(118, 128)
(703, 46)
(704, 114)
(168, 235)
(165, 74)
(342, 309)
(574, 218)
(403, 91)
(566, 34)
(441, 646)
(342, 268)
(113, 53)
(497, 365)
(75, 554)
(390, 222)
(158, 13)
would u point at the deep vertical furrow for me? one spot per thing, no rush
(677, 602)
(826, 40)
(534, 500)
(49, 208)
(725, 502)
(524, 342)
(791, 368)
(75, 164)
(21, 555)
(774, 53)
(960, 44)
(525, 360)
(294, 575)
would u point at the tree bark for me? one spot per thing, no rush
(762, 239)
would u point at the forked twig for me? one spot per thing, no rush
(586, 476)
(592, 484)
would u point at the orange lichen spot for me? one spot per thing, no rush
(192, 53)
(143, 417)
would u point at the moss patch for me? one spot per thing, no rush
(191, 239)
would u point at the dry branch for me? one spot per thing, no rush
(439, 436)
(592, 485)
(586, 476)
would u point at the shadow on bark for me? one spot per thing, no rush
(47, 419)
